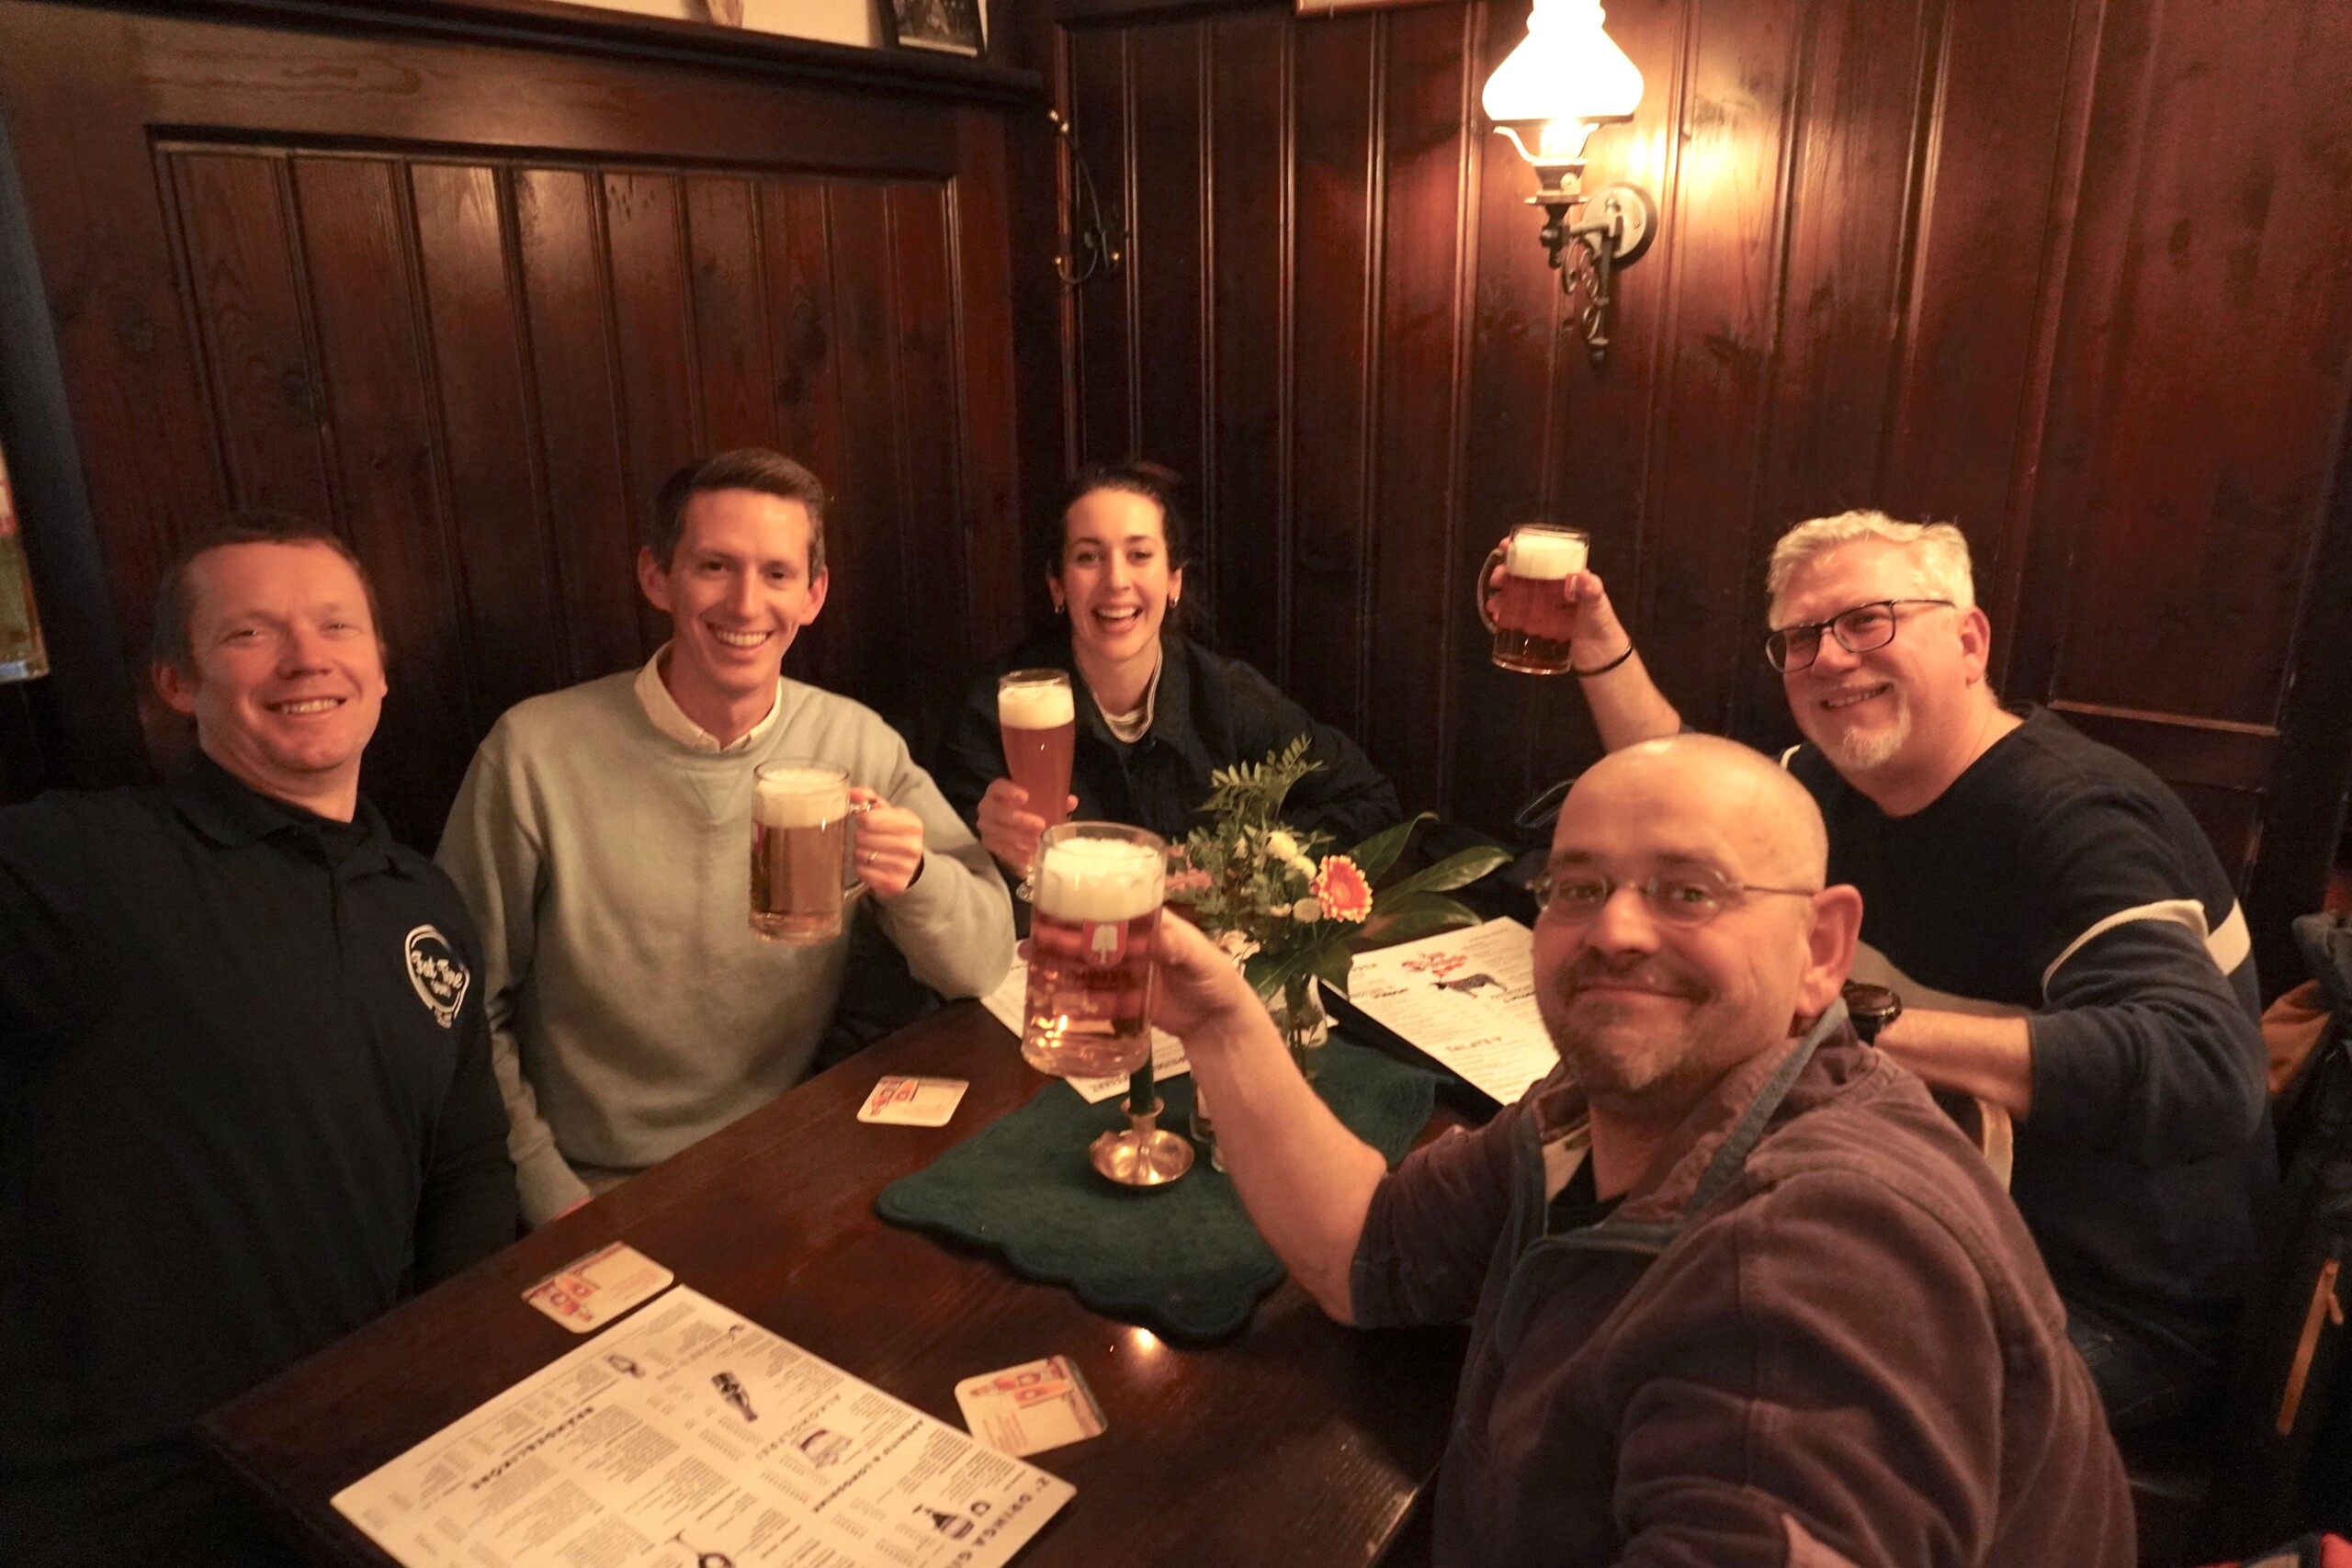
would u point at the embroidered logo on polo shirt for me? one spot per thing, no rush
(436, 971)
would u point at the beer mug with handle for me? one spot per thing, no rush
(802, 878)
(1527, 610)
(1092, 940)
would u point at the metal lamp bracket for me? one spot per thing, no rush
(1587, 248)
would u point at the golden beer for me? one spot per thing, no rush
(1528, 611)
(1092, 941)
(1038, 719)
(800, 840)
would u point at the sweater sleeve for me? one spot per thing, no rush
(2143, 1046)
(1431, 1234)
(1347, 796)
(954, 925)
(493, 850)
(469, 1205)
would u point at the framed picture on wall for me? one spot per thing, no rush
(950, 27)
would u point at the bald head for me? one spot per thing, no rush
(1717, 789)
(1689, 930)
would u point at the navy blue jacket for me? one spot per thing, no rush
(1210, 712)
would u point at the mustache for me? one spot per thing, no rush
(1588, 969)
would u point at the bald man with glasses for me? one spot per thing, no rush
(1739, 1293)
(2057, 935)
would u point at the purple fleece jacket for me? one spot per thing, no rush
(1818, 1317)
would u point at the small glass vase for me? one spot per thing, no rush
(1298, 1017)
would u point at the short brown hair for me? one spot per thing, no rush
(169, 642)
(746, 467)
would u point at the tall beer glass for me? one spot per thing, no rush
(1091, 942)
(1527, 611)
(1038, 720)
(801, 879)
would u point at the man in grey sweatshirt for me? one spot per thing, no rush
(601, 839)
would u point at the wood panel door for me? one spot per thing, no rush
(471, 305)
(2077, 276)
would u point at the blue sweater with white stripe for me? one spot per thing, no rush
(2060, 879)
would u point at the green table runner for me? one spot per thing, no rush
(1182, 1259)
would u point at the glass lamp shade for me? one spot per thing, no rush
(1567, 76)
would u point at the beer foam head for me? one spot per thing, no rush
(800, 797)
(1544, 557)
(1039, 707)
(1100, 879)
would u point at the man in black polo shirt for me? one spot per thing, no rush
(245, 1094)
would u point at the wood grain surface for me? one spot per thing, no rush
(469, 299)
(2076, 276)
(1300, 1442)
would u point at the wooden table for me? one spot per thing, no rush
(1300, 1443)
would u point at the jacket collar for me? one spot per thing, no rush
(234, 814)
(1705, 1154)
(1172, 713)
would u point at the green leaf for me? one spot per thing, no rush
(1332, 965)
(1268, 973)
(1454, 871)
(1416, 917)
(1377, 853)
(1252, 793)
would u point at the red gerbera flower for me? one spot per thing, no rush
(1340, 888)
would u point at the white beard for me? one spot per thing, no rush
(1867, 750)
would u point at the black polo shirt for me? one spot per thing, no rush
(245, 1103)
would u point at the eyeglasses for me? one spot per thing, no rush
(1858, 631)
(1678, 897)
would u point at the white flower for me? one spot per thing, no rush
(1306, 910)
(1281, 846)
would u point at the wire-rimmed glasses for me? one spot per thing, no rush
(1690, 897)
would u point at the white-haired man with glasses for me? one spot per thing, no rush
(2059, 937)
(1739, 1293)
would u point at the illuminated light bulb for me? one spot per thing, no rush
(1566, 77)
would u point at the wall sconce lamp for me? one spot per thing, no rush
(1566, 77)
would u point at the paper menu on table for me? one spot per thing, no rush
(1465, 998)
(689, 1433)
(1010, 998)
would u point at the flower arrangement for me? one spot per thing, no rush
(1292, 913)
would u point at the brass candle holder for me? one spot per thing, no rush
(1145, 1155)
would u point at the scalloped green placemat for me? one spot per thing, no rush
(1182, 1259)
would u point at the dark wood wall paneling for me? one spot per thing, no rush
(471, 304)
(2076, 276)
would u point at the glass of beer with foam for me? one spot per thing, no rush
(1038, 719)
(801, 876)
(1527, 609)
(1093, 933)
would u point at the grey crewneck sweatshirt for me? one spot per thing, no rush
(632, 1011)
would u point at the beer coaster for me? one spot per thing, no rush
(589, 1291)
(914, 1102)
(1030, 1408)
